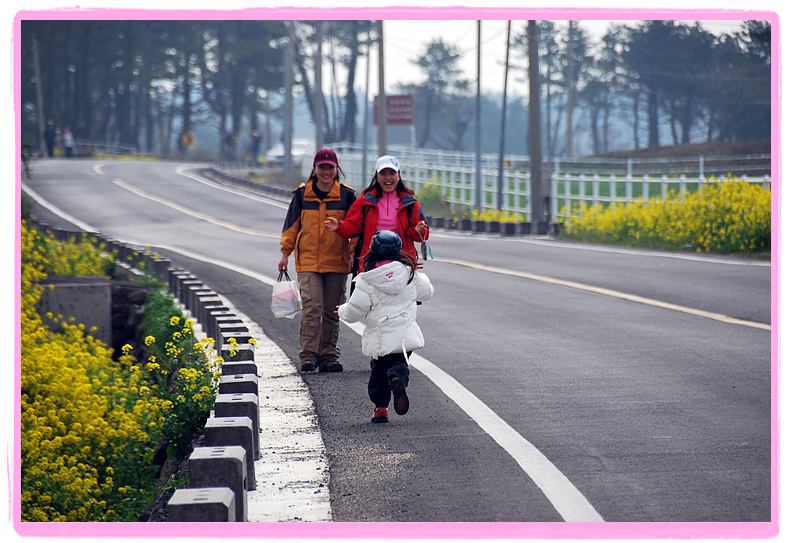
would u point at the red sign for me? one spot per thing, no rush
(400, 109)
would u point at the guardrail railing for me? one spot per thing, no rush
(575, 183)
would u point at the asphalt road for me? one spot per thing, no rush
(559, 381)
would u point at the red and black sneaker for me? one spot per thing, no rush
(400, 400)
(380, 415)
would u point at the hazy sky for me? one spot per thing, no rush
(405, 40)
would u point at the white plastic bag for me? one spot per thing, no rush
(286, 300)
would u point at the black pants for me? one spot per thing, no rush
(382, 369)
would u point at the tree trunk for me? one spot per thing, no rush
(535, 137)
(652, 105)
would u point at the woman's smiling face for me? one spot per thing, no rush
(388, 180)
(326, 173)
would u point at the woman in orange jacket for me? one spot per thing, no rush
(323, 260)
(387, 204)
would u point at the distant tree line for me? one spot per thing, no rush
(664, 82)
(148, 84)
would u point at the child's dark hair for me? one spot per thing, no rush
(369, 262)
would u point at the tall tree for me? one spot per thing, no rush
(239, 60)
(438, 95)
(576, 61)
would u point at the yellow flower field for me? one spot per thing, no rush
(91, 424)
(730, 216)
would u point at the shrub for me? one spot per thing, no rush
(432, 200)
(724, 217)
(497, 215)
(182, 370)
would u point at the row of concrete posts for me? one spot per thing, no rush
(221, 470)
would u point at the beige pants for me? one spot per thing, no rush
(321, 294)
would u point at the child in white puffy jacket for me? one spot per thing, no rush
(385, 300)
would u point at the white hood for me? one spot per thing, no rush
(390, 278)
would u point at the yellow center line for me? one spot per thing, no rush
(608, 292)
(192, 212)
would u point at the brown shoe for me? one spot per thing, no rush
(331, 367)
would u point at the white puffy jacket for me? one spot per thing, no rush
(386, 303)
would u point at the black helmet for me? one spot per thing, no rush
(385, 244)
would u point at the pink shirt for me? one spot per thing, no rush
(388, 211)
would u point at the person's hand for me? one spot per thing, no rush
(421, 227)
(331, 224)
(282, 266)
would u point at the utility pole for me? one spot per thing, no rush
(478, 130)
(571, 79)
(535, 137)
(39, 98)
(365, 136)
(382, 105)
(501, 178)
(319, 89)
(289, 102)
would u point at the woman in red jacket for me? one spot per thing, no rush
(387, 204)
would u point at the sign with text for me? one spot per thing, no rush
(400, 109)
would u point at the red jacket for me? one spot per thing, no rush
(363, 219)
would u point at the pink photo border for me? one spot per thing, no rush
(443, 531)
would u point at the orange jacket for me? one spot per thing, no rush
(314, 248)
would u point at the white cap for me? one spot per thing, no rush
(387, 161)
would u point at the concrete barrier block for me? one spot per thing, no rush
(210, 324)
(216, 467)
(192, 293)
(238, 383)
(237, 331)
(182, 288)
(204, 302)
(244, 352)
(241, 405)
(176, 276)
(208, 303)
(236, 367)
(202, 505)
(226, 431)
(161, 265)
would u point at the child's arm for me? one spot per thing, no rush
(424, 287)
(358, 305)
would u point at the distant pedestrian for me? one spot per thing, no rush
(256, 137)
(49, 138)
(385, 299)
(68, 141)
(323, 260)
(386, 204)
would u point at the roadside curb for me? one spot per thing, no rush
(272, 479)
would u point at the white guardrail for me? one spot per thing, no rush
(571, 187)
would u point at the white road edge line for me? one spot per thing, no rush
(564, 497)
(610, 250)
(607, 292)
(191, 212)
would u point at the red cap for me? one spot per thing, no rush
(325, 156)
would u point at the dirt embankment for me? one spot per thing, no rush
(717, 149)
